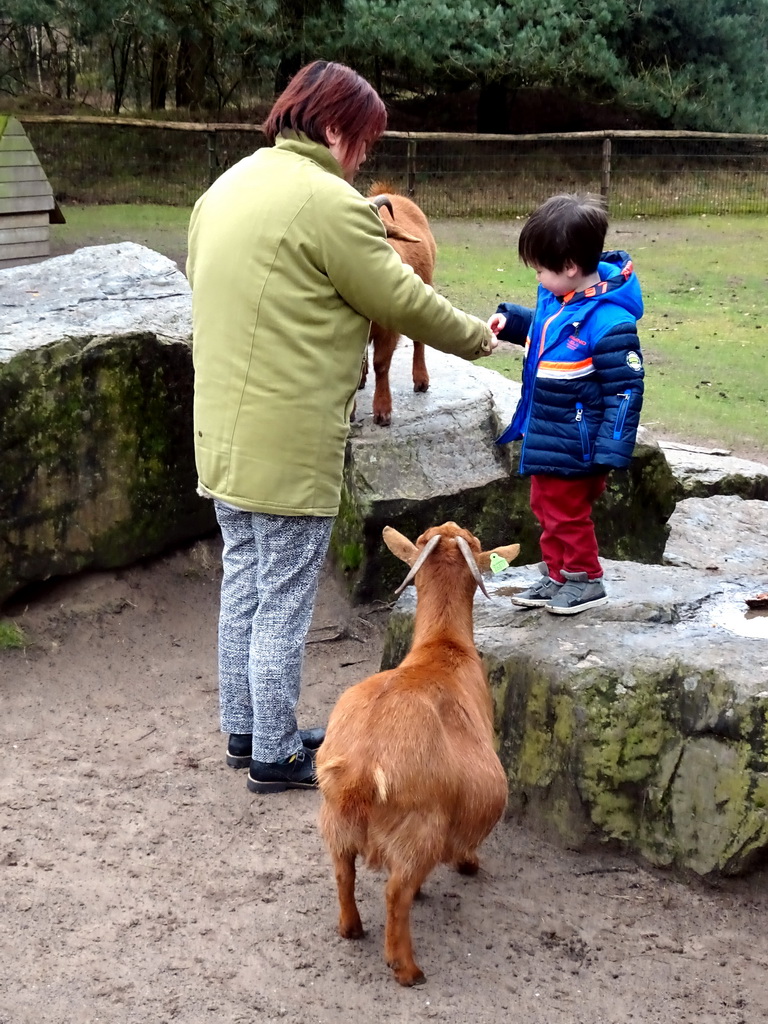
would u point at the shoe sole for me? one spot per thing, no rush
(576, 608)
(531, 602)
(277, 787)
(235, 761)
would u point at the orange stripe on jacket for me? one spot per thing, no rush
(582, 364)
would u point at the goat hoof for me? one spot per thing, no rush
(470, 866)
(409, 976)
(351, 931)
(383, 419)
(421, 385)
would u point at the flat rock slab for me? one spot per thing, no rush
(643, 721)
(701, 473)
(724, 533)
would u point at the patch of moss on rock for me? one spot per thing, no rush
(98, 461)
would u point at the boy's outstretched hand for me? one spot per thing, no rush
(497, 322)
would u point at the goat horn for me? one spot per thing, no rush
(426, 551)
(379, 201)
(465, 549)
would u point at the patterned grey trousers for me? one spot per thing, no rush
(271, 572)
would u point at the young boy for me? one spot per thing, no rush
(582, 389)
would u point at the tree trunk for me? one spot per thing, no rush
(119, 50)
(192, 63)
(158, 85)
(136, 74)
(71, 68)
(54, 61)
(492, 107)
(286, 69)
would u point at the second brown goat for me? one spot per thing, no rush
(409, 235)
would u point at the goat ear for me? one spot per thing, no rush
(400, 546)
(395, 231)
(509, 552)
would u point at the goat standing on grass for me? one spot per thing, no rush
(409, 235)
(408, 770)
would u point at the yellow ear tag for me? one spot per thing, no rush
(498, 564)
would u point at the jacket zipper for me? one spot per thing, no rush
(621, 415)
(521, 468)
(583, 434)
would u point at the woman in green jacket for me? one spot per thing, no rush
(288, 265)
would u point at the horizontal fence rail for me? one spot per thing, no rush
(108, 160)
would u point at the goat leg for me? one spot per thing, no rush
(420, 372)
(398, 948)
(350, 925)
(384, 344)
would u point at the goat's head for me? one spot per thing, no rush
(415, 555)
(393, 230)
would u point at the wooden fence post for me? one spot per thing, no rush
(605, 178)
(411, 168)
(213, 160)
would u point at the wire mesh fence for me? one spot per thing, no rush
(94, 160)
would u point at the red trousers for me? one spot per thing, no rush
(564, 510)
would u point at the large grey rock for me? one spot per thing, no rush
(703, 472)
(724, 532)
(438, 461)
(99, 291)
(96, 459)
(642, 721)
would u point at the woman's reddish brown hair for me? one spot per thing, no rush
(327, 95)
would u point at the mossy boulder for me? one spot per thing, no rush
(96, 457)
(643, 722)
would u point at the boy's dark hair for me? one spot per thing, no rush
(326, 95)
(565, 229)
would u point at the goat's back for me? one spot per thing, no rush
(420, 255)
(411, 751)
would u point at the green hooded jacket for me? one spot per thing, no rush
(288, 265)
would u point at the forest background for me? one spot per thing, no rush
(510, 67)
(471, 65)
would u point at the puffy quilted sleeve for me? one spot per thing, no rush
(518, 322)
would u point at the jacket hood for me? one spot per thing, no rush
(618, 285)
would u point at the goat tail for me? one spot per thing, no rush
(351, 792)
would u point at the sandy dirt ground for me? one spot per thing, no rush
(140, 881)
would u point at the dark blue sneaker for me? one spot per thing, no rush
(240, 743)
(298, 772)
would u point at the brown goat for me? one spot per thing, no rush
(409, 235)
(408, 770)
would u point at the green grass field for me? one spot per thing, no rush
(704, 333)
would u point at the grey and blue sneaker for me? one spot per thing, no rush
(577, 594)
(539, 594)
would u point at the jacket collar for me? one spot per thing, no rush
(290, 141)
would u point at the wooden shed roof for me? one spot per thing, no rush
(24, 187)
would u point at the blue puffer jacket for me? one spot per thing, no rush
(582, 377)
